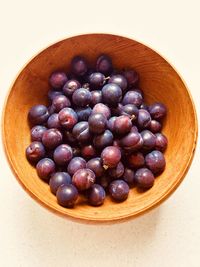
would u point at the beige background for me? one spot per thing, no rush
(30, 236)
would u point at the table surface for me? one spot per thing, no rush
(30, 236)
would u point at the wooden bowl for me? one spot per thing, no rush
(160, 82)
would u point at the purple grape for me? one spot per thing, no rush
(111, 156)
(155, 161)
(132, 97)
(110, 123)
(95, 165)
(132, 141)
(83, 179)
(102, 140)
(96, 80)
(76, 164)
(60, 101)
(52, 94)
(130, 110)
(158, 111)
(149, 140)
(104, 64)
(58, 179)
(144, 106)
(68, 118)
(136, 160)
(88, 151)
(51, 110)
(96, 97)
(52, 138)
(37, 133)
(63, 154)
(97, 123)
(35, 151)
(144, 178)
(132, 78)
(139, 91)
(119, 190)
(67, 195)
(129, 176)
(81, 97)
(58, 79)
(38, 114)
(122, 125)
(53, 121)
(70, 87)
(117, 172)
(45, 168)
(120, 80)
(103, 109)
(134, 129)
(83, 113)
(79, 66)
(96, 195)
(81, 132)
(112, 94)
(155, 126)
(161, 142)
(144, 119)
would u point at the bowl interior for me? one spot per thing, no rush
(159, 81)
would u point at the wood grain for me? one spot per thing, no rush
(159, 81)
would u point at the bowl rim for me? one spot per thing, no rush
(83, 219)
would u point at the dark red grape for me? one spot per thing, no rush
(129, 176)
(120, 80)
(136, 160)
(45, 168)
(161, 142)
(76, 164)
(96, 97)
(158, 111)
(79, 66)
(68, 118)
(60, 101)
(70, 87)
(130, 110)
(132, 78)
(83, 179)
(52, 94)
(155, 126)
(96, 80)
(102, 140)
(117, 171)
(57, 179)
(155, 161)
(97, 123)
(110, 123)
(52, 138)
(149, 140)
(104, 64)
(112, 94)
(37, 133)
(88, 151)
(53, 121)
(111, 156)
(144, 178)
(144, 119)
(103, 109)
(119, 190)
(132, 97)
(95, 165)
(81, 132)
(132, 141)
(83, 113)
(38, 114)
(35, 151)
(96, 195)
(63, 154)
(122, 125)
(58, 79)
(81, 97)
(67, 195)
